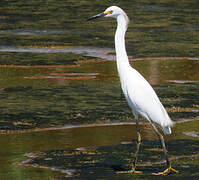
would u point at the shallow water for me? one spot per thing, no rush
(61, 97)
(103, 53)
(85, 139)
(41, 98)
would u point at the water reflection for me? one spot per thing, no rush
(157, 72)
(81, 139)
(103, 53)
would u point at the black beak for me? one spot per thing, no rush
(96, 16)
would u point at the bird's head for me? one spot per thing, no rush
(112, 11)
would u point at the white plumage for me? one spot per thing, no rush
(139, 94)
(143, 100)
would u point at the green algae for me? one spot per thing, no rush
(31, 59)
(105, 161)
(172, 27)
(46, 97)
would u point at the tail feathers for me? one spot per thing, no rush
(166, 130)
(166, 127)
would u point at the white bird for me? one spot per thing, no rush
(139, 94)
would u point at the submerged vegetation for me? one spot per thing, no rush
(46, 83)
(158, 28)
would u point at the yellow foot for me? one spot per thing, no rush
(128, 172)
(166, 172)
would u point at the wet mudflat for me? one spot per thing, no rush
(97, 152)
(38, 97)
(105, 161)
(62, 113)
(55, 124)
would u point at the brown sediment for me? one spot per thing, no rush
(111, 54)
(70, 76)
(61, 77)
(84, 126)
(4, 17)
(49, 46)
(163, 58)
(154, 149)
(180, 109)
(38, 66)
(74, 74)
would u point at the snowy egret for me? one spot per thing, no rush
(139, 94)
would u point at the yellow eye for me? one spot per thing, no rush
(108, 12)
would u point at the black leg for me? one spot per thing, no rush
(138, 144)
(136, 154)
(163, 144)
(169, 168)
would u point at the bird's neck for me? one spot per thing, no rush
(121, 55)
